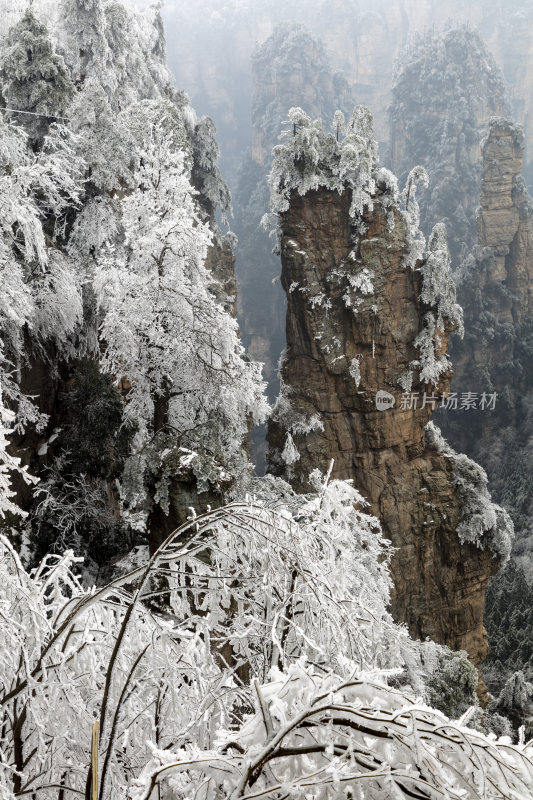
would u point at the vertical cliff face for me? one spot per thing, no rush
(359, 317)
(495, 288)
(504, 222)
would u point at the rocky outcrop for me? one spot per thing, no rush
(441, 105)
(221, 263)
(365, 38)
(505, 219)
(354, 315)
(495, 288)
(291, 68)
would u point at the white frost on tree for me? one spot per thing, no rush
(33, 78)
(290, 454)
(482, 522)
(9, 464)
(438, 296)
(310, 158)
(249, 686)
(162, 330)
(438, 286)
(32, 186)
(415, 238)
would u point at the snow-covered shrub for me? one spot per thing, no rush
(312, 736)
(482, 522)
(480, 514)
(431, 365)
(310, 158)
(517, 693)
(451, 687)
(515, 703)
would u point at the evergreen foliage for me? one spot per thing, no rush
(452, 685)
(33, 78)
(509, 627)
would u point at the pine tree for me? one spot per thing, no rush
(515, 700)
(34, 78)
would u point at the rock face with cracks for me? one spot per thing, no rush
(495, 288)
(343, 346)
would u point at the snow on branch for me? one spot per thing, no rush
(357, 738)
(482, 522)
(438, 296)
(311, 158)
(269, 657)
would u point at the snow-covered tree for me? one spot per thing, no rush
(515, 700)
(101, 143)
(9, 464)
(84, 36)
(206, 174)
(311, 158)
(136, 43)
(444, 314)
(415, 238)
(40, 292)
(162, 330)
(68, 212)
(33, 78)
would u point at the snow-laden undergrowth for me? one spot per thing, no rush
(252, 654)
(482, 522)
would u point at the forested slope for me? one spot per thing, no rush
(123, 376)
